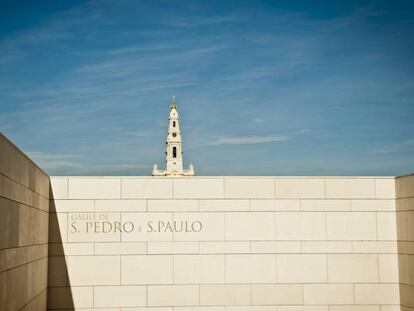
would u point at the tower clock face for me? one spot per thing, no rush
(174, 134)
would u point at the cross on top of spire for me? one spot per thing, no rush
(173, 97)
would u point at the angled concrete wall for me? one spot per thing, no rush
(224, 243)
(404, 187)
(24, 206)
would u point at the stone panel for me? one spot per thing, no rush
(350, 188)
(250, 226)
(307, 268)
(94, 188)
(328, 294)
(199, 269)
(199, 188)
(225, 294)
(276, 294)
(119, 296)
(251, 268)
(149, 269)
(351, 226)
(253, 188)
(94, 270)
(300, 226)
(173, 295)
(353, 268)
(305, 188)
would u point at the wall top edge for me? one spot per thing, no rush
(406, 175)
(24, 154)
(226, 177)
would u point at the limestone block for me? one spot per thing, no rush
(236, 247)
(58, 227)
(68, 249)
(406, 269)
(172, 205)
(199, 269)
(250, 268)
(406, 204)
(57, 272)
(148, 227)
(173, 295)
(59, 188)
(388, 268)
(37, 303)
(385, 188)
(406, 294)
(276, 294)
(16, 288)
(124, 248)
(327, 294)
(352, 268)
(200, 308)
(325, 247)
(249, 188)
(33, 226)
(374, 247)
(276, 247)
(305, 268)
(36, 277)
(225, 294)
(373, 205)
(250, 226)
(325, 205)
(251, 308)
(350, 188)
(94, 188)
(70, 297)
(119, 296)
(199, 188)
(146, 269)
(356, 308)
(387, 226)
(377, 294)
(62, 206)
(224, 205)
(351, 226)
(405, 186)
(300, 226)
(9, 223)
(200, 226)
(300, 188)
(120, 205)
(93, 270)
(3, 290)
(173, 247)
(405, 225)
(275, 205)
(303, 308)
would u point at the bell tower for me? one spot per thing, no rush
(174, 148)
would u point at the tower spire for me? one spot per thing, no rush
(174, 153)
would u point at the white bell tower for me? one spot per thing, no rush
(174, 148)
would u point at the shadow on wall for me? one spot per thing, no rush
(404, 193)
(59, 289)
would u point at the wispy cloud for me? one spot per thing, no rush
(393, 148)
(245, 140)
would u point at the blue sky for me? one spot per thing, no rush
(263, 87)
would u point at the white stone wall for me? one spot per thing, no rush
(267, 243)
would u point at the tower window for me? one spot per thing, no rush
(174, 152)
(173, 123)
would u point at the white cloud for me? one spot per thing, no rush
(244, 140)
(392, 148)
